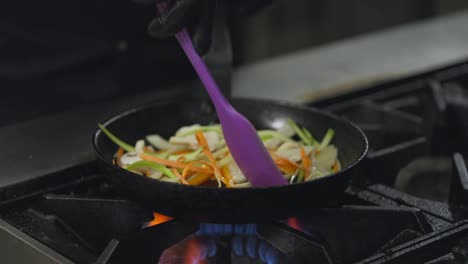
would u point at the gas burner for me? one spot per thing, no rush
(325, 235)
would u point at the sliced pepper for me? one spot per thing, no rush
(148, 164)
(269, 134)
(310, 137)
(116, 140)
(215, 128)
(327, 139)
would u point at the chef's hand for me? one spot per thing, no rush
(197, 15)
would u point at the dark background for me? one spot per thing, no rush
(56, 55)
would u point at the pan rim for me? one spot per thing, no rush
(300, 107)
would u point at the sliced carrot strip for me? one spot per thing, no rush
(206, 150)
(119, 153)
(335, 166)
(226, 172)
(202, 140)
(306, 162)
(210, 157)
(227, 176)
(181, 152)
(286, 169)
(170, 163)
(277, 157)
(199, 178)
(189, 167)
(148, 149)
(284, 164)
(173, 164)
(177, 174)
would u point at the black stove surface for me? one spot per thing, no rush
(409, 203)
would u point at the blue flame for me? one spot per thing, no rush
(251, 246)
(262, 250)
(237, 245)
(227, 229)
(239, 229)
(244, 241)
(255, 248)
(267, 253)
(250, 229)
(210, 248)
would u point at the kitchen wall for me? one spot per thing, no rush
(290, 25)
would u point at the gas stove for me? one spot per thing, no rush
(408, 204)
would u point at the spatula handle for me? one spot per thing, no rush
(185, 41)
(202, 70)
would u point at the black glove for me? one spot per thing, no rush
(197, 16)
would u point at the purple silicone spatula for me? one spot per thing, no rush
(241, 137)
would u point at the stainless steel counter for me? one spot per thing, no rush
(336, 68)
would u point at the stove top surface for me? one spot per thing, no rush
(409, 204)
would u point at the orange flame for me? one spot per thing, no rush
(294, 223)
(193, 253)
(159, 219)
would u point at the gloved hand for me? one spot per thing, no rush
(197, 16)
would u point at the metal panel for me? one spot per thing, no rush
(17, 247)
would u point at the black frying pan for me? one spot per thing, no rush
(222, 204)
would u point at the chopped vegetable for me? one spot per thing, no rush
(198, 155)
(235, 174)
(268, 134)
(158, 142)
(119, 153)
(140, 146)
(116, 140)
(314, 175)
(277, 157)
(206, 150)
(221, 152)
(191, 143)
(336, 166)
(187, 156)
(193, 155)
(310, 137)
(299, 132)
(293, 152)
(148, 149)
(294, 176)
(214, 128)
(306, 163)
(181, 179)
(199, 178)
(159, 154)
(173, 164)
(148, 164)
(225, 161)
(325, 159)
(242, 185)
(327, 139)
(300, 176)
(129, 158)
(227, 174)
